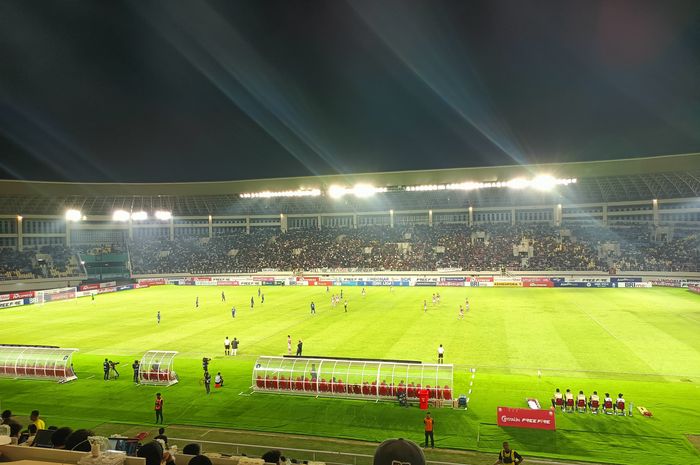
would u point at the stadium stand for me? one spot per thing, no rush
(625, 215)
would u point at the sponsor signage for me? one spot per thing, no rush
(616, 279)
(152, 281)
(507, 283)
(89, 287)
(483, 279)
(526, 418)
(108, 284)
(17, 295)
(11, 303)
(425, 282)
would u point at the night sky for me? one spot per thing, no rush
(221, 90)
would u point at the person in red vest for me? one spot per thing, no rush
(428, 422)
(159, 408)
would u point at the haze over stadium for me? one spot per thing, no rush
(511, 188)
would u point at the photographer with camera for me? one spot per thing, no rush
(113, 367)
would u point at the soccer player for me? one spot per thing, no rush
(434, 299)
(289, 344)
(341, 292)
(327, 289)
(608, 403)
(425, 305)
(581, 401)
(619, 405)
(92, 294)
(252, 301)
(158, 317)
(346, 306)
(196, 302)
(233, 312)
(461, 313)
(227, 346)
(223, 296)
(313, 308)
(438, 298)
(205, 363)
(258, 293)
(569, 400)
(441, 354)
(594, 402)
(234, 346)
(466, 304)
(105, 368)
(558, 399)
(300, 345)
(363, 292)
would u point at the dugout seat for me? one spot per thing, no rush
(411, 390)
(447, 393)
(323, 386)
(383, 391)
(299, 384)
(365, 388)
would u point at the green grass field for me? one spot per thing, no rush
(641, 342)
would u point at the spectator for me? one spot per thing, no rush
(400, 450)
(192, 449)
(15, 426)
(200, 460)
(78, 440)
(34, 417)
(161, 435)
(272, 456)
(154, 455)
(59, 437)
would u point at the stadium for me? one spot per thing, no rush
(573, 276)
(349, 232)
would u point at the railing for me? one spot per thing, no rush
(336, 458)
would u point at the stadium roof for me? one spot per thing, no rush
(673, 176)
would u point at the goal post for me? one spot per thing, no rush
(37, 362)
(156, 368)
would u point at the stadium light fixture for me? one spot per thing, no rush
(19, 217)
(120, 215)
(336, 192)
(361, 191)
(271, 194)
(73, 215)
(139, 216)
(163, 215)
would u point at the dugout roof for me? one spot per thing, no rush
(664, 177)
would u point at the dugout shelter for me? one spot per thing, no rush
(355, 378)
(156, 368)
(37, 362)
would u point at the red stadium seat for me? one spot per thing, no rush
(356, 389)
(608, 406)
(323, 385)
(383, 391)
(299, 384)
(594, 406)
(447, 393)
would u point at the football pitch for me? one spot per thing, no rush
(522, 342)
